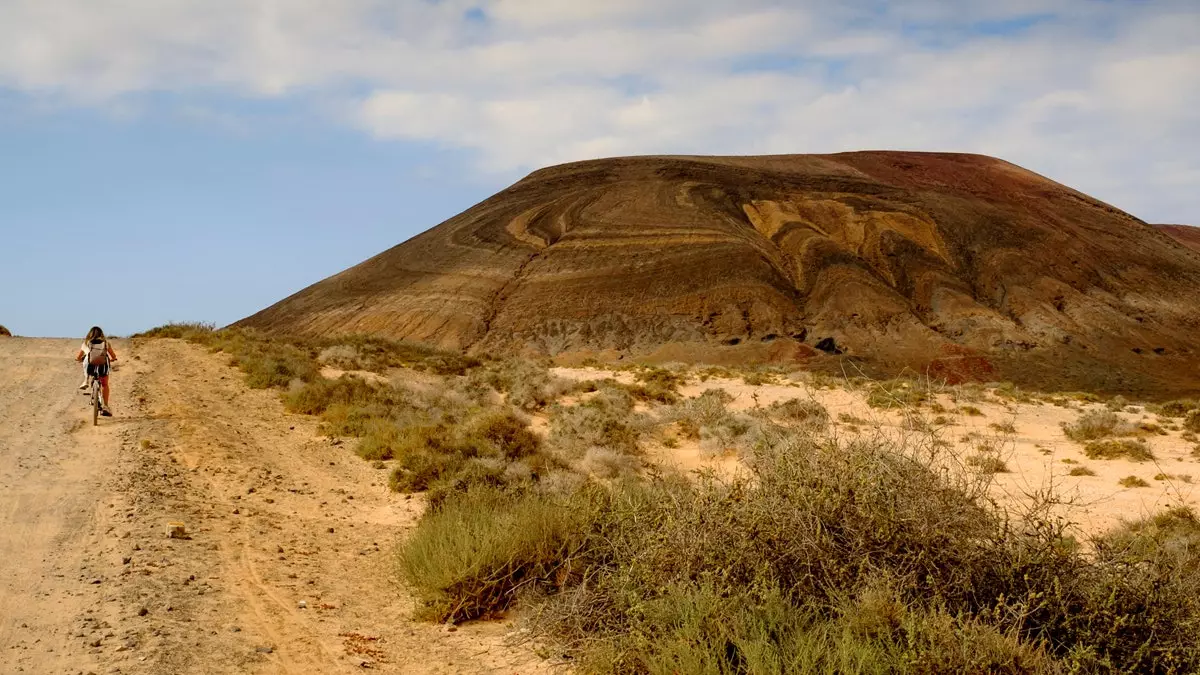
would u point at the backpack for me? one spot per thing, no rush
(98, 352)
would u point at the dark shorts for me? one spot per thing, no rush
(100, 371)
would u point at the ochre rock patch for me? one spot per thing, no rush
(893, 255)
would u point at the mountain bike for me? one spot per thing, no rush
(97, 399)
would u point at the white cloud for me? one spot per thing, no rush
(1104, 96)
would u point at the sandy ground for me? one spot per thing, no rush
(1038, 455)
(289, 562)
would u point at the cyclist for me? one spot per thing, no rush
(99, 355)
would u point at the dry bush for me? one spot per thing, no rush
(971, 393)
(4, 332)
(608, 464)
(970, 411)
(344, 357)
(708, 419)
(528, 385)
(897, 394)
(468, 556)
(987, 462)
(607, 420)
(1098, 424)
(827, 558)
(1117, 404)
(796, 411)
(179, 331)
(658, 384)
(1133, 482)
(1177, 408)
(1081, 471)
(1010, 391)
(758, 378)
(1135, 449)
(1003, 427)
(1191, 423)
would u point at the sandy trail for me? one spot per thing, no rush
(289, 567)
(55, 521)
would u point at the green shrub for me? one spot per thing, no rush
(317, 396)
(1135, 449)
(827, 558)
(468, 557)
(179, 331)
(507, 433)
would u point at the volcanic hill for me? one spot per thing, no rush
(1187, 235)
(963, 266)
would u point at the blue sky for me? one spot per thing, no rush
(222, 154)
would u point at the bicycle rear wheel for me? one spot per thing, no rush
(95, 402)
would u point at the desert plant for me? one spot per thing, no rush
(1191, 423)
(1133, 482)
(795, 411)
(987, 462)
(1081, 471)
(528, 385)
(970, 411)
(1176, 408)
(468, 556)
(606, 420)
(1003, 427)
(1098, 424)
(1135, 449)
(896, 394)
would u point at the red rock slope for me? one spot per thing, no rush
(1185, 234)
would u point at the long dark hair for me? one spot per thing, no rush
(95, 333)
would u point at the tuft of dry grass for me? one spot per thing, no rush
(1098, 424)
(1081, 471)
(896, 394)
(1003, 427)
(1133, 482)
(1134, 449)
(988, 463)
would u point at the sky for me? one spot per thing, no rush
(198, 160)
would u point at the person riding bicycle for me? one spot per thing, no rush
(99, 355)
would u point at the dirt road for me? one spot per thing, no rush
(288, 564)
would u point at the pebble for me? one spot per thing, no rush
(303, 604)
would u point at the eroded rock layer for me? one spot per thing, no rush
(934, 262)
